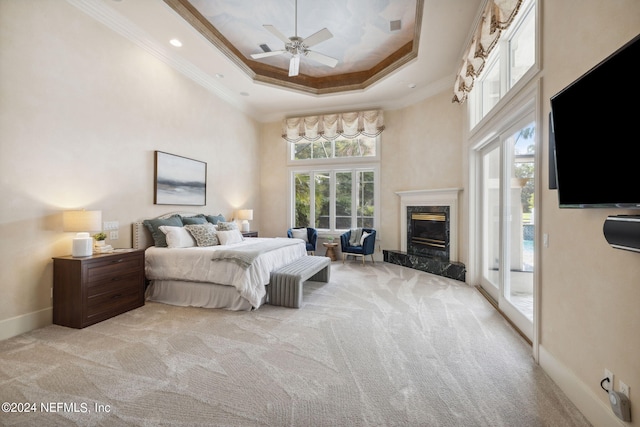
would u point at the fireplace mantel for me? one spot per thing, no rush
(437, 197)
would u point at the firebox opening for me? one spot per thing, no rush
(428, 231)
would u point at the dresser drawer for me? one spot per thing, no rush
(104, 269)
(112, 303)
(117, 281)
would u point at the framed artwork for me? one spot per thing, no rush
(179, 180)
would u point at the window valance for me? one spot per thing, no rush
(496, 17)
(331, 126)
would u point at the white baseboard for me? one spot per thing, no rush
(25, 323)
(596, 410)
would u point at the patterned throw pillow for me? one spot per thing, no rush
(225, 226)
(205, 234)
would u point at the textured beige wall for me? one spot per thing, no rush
(81, 112)
(590, 292)
(421, 149)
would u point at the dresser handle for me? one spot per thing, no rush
(116, 296)
(115, 262)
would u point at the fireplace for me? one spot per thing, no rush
(428, 231)
(428, 226)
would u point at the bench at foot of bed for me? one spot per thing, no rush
(285, 285)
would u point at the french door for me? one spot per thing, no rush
(507, 226)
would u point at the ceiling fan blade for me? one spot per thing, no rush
(323, 59)
(318, 37)
(267, 54)
(294, 65)
(273, 30)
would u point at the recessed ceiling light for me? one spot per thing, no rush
(412, 85)
(244, 93)
(220, 76)
(175, 42)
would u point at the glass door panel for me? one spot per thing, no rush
(491, 265)
(507, 177)
(521, 164)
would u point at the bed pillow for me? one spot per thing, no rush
(214, 219)
(196, 219)
(205, 234)
(153, 225)
(228, 237)
(177, 237)
(300, 233)
(225, 226)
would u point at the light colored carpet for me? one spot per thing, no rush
(380, 345)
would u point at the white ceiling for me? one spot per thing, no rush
(446, 27)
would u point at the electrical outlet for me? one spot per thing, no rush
(113, 235)
(624, 389)
(608, 374)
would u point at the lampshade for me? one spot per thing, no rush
(82, 220)
(245, 214)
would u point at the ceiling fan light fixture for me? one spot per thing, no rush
(297, 46)
(294, 66)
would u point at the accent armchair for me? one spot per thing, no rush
(361, 248)
(311, 237)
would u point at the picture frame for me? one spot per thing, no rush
(179, 180)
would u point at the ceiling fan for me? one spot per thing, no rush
(298, 46)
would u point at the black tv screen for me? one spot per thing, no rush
(596, 131)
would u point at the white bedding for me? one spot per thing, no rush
(196, 265)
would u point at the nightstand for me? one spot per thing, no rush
(249, 234)
(91, 289)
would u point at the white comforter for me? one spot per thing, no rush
(196, 265)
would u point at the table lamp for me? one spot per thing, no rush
(82, 222)
(245, 215)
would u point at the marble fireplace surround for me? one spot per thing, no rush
(447, 268)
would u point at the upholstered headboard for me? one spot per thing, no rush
(142, 239)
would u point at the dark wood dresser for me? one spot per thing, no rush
(91, 289)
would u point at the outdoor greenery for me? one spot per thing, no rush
(345, 201)
(323, 149)
(527, 169)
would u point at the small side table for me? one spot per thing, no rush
(331, 253)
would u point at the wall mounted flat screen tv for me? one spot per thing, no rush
(595, 125)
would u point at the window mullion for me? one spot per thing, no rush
(312, 199)
(354, 199)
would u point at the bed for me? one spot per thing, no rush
(232, 275)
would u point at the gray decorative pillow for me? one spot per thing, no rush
(205, 234)
(196, 219)
(225, 226)
(159, 238)
(214, 219)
